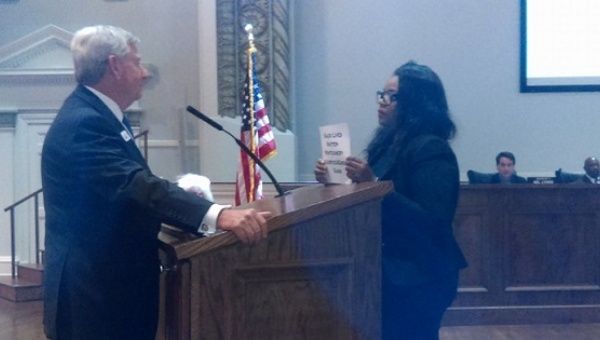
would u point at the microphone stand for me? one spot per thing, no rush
(219, 127)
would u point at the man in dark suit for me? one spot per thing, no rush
(592, 171)
(104, 206)
(505, 163)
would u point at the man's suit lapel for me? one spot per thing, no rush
(95, 102)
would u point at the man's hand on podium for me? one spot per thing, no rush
(249, 225)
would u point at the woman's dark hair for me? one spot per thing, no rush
(421, 108)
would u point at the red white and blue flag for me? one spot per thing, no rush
(256, 134)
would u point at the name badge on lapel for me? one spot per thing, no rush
(125, 136)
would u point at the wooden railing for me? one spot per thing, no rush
(36, 204)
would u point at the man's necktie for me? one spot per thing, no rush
(127, 125)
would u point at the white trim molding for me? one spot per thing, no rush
(5, 269)
(41, 56)
(8, 118)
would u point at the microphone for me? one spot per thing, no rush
(205, 118)
(243, 146)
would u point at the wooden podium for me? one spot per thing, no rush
(317, 275)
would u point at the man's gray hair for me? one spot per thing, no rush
(91, 46)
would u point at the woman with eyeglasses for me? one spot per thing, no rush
(421, 258)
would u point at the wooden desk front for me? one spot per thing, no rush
(533, 253)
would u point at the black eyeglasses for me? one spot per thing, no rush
(386, 98)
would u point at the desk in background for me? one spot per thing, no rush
(533, 253)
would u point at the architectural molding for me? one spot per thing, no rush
(37, 118)
(32, 45)
(42, 56)
(270, 19)
(171, 143)
(31, 77)
(5, 265)
(163, 143)
(8, 118)
(134, 114)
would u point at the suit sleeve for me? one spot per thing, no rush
(103, 165)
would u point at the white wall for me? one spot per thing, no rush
(345, 50)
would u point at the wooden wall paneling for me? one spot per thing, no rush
(540, 249)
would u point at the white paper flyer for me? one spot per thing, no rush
(335, 148)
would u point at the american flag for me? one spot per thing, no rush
(256, 134)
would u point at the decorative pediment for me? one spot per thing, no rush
(40, 55)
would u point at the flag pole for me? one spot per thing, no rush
(250, 69)
(255, 123)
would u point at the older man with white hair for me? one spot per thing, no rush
(104, 206)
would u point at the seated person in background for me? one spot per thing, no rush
(505, 163)
(592, 171)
